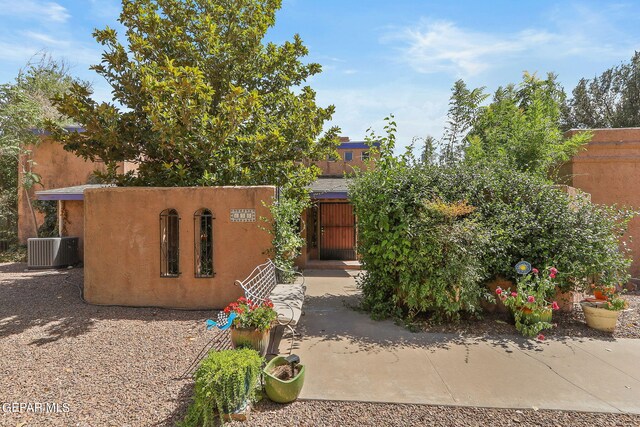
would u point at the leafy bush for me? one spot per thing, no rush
(528, 218)
(420, 252)
(15, 253)
(286, 240)
(224, 381)
(428, 235)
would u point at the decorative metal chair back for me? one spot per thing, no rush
(261, 282)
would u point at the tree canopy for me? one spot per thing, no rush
(200, 99)
(610, 100)
(520, 129)
(25, 104)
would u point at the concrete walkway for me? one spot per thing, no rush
(351, 357)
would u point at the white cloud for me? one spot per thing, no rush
(45, 39)
(443, 46)
(34, 9)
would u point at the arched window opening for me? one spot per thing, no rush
(203, 251)
(169, 243)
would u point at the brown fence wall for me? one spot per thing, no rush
(609, 170)
(122, 244)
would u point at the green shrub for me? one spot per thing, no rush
(420, 252)
(529, 218)
(224, 381)
(420, 255)
(286, 242)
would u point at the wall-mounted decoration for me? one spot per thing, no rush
(243, 215)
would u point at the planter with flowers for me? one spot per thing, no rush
(252, 324)
(602, 314)
(530, 302)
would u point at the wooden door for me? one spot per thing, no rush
(337, 231)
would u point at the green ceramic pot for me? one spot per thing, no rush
(282, 391)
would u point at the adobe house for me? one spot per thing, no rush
(609, 170)
(329, 226)
(58, 169)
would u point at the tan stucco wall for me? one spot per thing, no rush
(71, 222)
(122, 245)
(57, 168)
(340, 166)
(609, 170)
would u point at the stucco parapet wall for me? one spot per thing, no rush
(609, 134)
(123, 244)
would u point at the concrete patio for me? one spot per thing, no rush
(353, 358)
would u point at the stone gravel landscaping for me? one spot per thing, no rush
(122, 366)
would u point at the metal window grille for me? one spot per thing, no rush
(169, 243)
(203, 243)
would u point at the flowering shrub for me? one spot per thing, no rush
(252, 315)
(531, 303)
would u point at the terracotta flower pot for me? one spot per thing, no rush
(599, 318)
(497, 306)
(599, 294)
(251, 338)
(567, 299)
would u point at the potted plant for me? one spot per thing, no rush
(226, 383)
(530, 301)
(252, 324)
(283, 378)
(603, 314)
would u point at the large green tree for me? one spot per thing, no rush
(200, 99)
(25, 104)
(610, 100)
(520, 129)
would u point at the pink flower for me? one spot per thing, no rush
(499, 291)
(530, 298)
(555, 306)
(503, 297)
(514, 294)
(552, 272)
(540, 337)
(534, 270)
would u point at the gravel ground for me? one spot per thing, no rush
(112, 366)
(118, 366)
(319, 413)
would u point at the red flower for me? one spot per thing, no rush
(499, 291)
(541, 337)
(242, 299)
(514, 294)
(555, 306)
(531, 298)
(534, 270)
(552, 272)
(227, 310)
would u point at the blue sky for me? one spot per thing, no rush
(378, 57)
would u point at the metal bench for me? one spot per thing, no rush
(264, 283)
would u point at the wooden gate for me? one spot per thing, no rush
(337, 231)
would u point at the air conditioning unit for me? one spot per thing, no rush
(52, 252)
